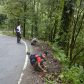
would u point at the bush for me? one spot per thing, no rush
(59, 54)
(74, 75)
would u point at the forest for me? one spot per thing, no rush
(58, 22)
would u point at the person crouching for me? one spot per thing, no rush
(37, 62)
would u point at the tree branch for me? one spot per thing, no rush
(77, 54)
(79, 28)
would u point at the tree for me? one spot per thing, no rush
(2, 18)
(17, 12)
(67, 17)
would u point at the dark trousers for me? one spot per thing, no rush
(18, 37)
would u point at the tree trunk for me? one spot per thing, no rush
(35, 18)
(32, 29)
(65, 24)
(55, 28)
(25, 7)
(24, 27)
(73, 41)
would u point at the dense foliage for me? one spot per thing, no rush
(60, 22)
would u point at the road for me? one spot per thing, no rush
(12, 59)
(15, 67)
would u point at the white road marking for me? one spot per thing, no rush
(25, 64)
(20, 78)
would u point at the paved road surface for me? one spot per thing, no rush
(12, 58)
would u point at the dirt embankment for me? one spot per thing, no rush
(53, 65)
(53, 68)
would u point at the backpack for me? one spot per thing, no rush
(32, 59)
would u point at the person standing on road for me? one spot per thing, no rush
(18, 33)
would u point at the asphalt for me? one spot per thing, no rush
(12, 58)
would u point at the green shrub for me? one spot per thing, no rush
(59, 54)
(74, 75)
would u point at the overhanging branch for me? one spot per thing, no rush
(77, 54)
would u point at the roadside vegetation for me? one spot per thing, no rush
(59, 23)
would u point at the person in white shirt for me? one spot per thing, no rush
(18, 33)
(19, 29)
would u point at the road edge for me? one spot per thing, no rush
(25, 64)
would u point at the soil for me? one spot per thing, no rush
(53, 68)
